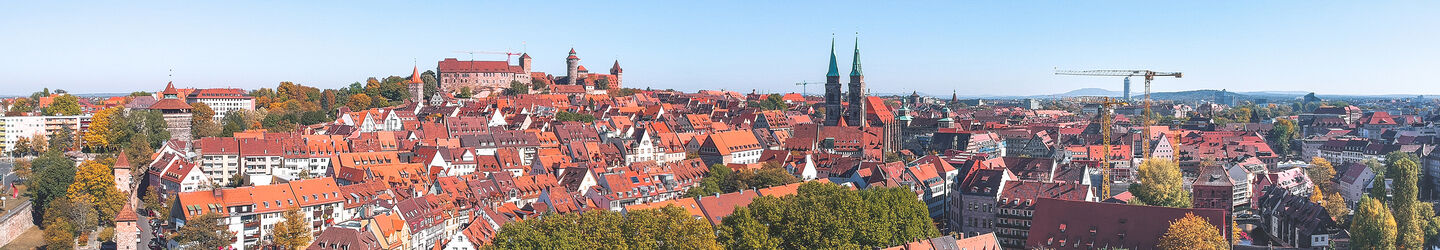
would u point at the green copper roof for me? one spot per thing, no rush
(855, 68)
(834, 69)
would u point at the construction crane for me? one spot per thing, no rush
(804, 90)
(507, 54)
(1148, 74)
(1106, 105)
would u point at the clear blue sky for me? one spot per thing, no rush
(978, 48)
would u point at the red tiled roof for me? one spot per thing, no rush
(1061, 224)
(168, 104)
(451, 65)
(716, 207)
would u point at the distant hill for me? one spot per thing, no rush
(1091, 92)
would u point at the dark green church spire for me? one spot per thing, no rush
(834, 69)
(855, 68)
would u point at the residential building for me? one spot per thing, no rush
(1062, 224)
(222, 100)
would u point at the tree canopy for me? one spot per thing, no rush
(1160, 184)
(665, 228)
(63, 105)
(566, 116)
(722, 179)
(1193, 232)
(205, 232)
(1373, 226)
(825, 215)
(293, 232)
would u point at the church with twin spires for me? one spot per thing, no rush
(855, 107)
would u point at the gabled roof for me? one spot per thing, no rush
(716, 207)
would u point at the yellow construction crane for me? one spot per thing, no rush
(1106, 105)
(1148, 74)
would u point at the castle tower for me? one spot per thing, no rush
(572, 68)
(857, 89)
(832, 90)
(416, 87)
(616, 70)
(525, 62)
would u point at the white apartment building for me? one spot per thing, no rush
(12, 128)
(222, 100)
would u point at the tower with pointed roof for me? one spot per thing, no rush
(616, 70)
(572, 68)
(175, 111)
(857, 90)
(833, 110)
(525, 62)
(416, 87)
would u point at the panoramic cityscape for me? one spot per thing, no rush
(458, 125)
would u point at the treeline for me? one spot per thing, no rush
(819, 215)
(290, 105)
(722, 179)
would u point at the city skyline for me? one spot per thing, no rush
(980, 49)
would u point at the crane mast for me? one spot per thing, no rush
(1106, 124)
(1149, 75)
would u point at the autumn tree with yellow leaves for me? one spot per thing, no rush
(100, 136)
(95, 183)
(1192, 232)
(293, 232)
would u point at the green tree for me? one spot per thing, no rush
(235, 121)
(1426, 210)
(722, 179)
(517, 88)
(711, 183)
(63, 105)
(204, 232)
(603, 83)
(1379, 191)
(666, 228)
(153, 204)
(431, 84)
(1405, 172)
(566, 116)
(465, 92)
(539, 86)
(1160, 184)
(825, 215)
(63, 140)
(53, 174)
(1281, 136)
(1373, 226)
(742, 231)
(293, 232)
(1193, 232)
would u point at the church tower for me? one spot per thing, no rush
(572, 68)
(833, 110)
(857, 90)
